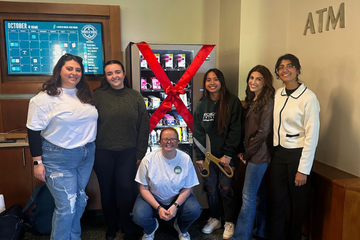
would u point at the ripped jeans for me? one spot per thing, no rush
(221, 202)
(67, 174)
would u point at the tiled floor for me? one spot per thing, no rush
(94, 228)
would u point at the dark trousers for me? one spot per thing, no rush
(283, 169)
(116, 172)
(221, 202)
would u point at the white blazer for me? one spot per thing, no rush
(297, 123)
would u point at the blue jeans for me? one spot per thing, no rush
(254, 192)
(221, 202)
(144, 215)
(67, 174)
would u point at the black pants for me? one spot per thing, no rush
(283, 170)
(116, 172)
(221, 202)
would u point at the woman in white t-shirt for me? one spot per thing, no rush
(62, 122)
(166, 177)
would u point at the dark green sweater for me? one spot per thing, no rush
(204, 123)
(123, 120)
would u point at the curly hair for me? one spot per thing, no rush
(53, 85)
(222, 108)
(268, 91)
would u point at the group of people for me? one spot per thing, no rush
(72, 131)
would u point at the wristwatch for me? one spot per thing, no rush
(176, 205)
(37, 162)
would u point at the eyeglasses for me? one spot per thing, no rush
(165, 140)
(287, 67)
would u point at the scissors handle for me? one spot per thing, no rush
(226, 170)
(205, 172)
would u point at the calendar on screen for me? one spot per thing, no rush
(33, 48)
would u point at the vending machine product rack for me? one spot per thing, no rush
(174, 59)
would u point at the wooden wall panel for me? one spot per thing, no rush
(1, 119)
(352, 216)
(15, 176)
(335, 204)
(115, 37)
(14, 114)
(55, 8)
(322, 210)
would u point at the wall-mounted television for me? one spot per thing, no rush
(34, 47)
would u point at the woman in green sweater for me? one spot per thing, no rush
(219, 114)
(121, 143)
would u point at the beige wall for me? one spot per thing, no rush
(263, 36)
(162, 21)
(329, 66)
(330, 63)
(229, 44)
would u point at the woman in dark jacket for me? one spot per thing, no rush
(258, 144)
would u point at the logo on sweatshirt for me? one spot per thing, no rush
(209, 117)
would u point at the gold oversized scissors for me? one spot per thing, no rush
(209, 157)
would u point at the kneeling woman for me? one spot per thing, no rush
(166, 177)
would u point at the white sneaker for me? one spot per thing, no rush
(229, 230)
(151, 236)
(182, 236)
(212, 224)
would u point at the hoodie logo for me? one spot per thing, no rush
(209, 117)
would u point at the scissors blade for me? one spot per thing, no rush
(199, 145)
(208, 144)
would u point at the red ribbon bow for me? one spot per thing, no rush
(173, 92)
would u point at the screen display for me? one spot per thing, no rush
(33, 48)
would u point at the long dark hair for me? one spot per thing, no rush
(52, 85)
(104, 84)
(222, 108)
(267, 92)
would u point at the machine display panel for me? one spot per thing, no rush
(33, 48)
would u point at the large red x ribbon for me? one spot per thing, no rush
(173, 92)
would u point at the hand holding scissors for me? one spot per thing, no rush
(227, 170)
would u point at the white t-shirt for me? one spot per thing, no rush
(63, 119)
(166, 177)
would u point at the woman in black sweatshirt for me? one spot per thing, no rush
(218, 114)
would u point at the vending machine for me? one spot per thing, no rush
(174, 60)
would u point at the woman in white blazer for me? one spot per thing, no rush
(296, 132)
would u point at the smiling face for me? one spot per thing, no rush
(115, 76)
(212, 83)
(287, 72)
(256, 83)
(70, 74)
(169, 140)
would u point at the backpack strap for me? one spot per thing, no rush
(33, 196)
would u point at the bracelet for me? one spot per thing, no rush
(158, 208)
(176, 205)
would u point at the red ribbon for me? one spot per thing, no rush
(173, 92)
